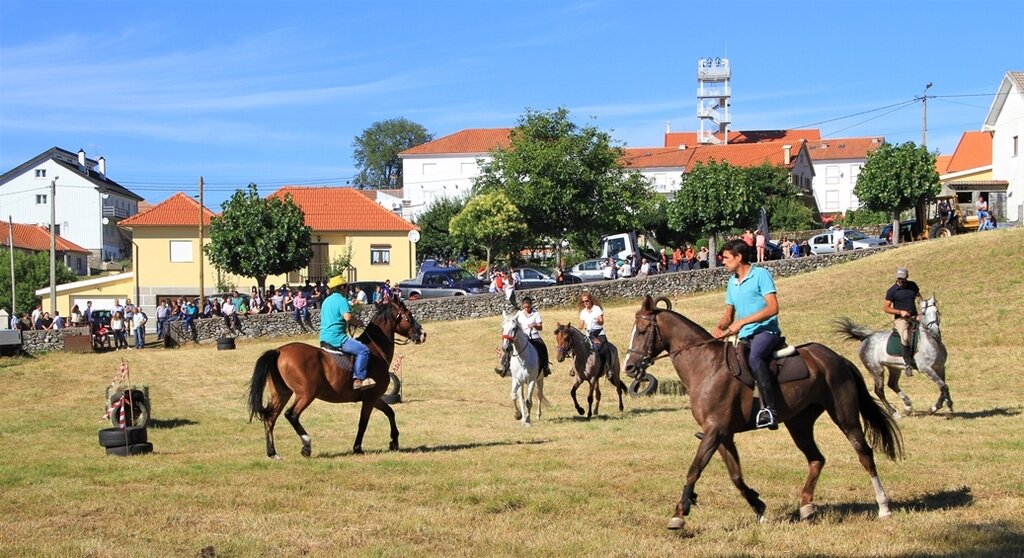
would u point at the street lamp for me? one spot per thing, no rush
(924, 115)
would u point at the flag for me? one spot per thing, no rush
(396, 366)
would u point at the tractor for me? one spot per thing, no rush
(947, 218)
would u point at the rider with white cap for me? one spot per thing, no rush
(901, 301)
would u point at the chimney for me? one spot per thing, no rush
(103, 166)
(787, 154)
(81, 158)
(668, 127)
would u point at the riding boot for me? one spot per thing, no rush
(767, 416)
(908, 361)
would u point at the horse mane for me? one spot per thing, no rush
(690, 324)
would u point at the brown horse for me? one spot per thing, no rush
(723, 406)
(311, 373)
(570, 341)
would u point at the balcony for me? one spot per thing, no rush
(115, 212)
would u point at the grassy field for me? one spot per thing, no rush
(470, 481)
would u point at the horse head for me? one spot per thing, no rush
(930, 316)
(402, 321)
(563, 342)
(509, 330)
(645, 341)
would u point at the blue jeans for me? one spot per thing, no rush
(362, 354)
(302, 314)
(140, 337)
(761, 347)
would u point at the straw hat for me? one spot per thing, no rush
(336, 281)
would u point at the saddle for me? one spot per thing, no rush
(786, 365)
(894, 347)
(345, 361)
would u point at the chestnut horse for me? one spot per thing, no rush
(722, 405)
(570, 341)
(311, 373)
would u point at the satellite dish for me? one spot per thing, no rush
(105, 221)
(414, 236)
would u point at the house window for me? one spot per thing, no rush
(380, 254)
(56, 229)
(469, 169)
(831, 199)
(181, 251)
(832, 174)
(429, 168)
(1015, 145)
(854, 173)
(40, 199)
(40, 173)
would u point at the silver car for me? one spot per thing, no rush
(855, 240)
(589, 270)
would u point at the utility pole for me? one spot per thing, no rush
(924, 115)
(53, 247)
(10, 246)
(200, 304)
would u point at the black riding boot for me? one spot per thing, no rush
(503, 369)
(767, 417)
(908, 361)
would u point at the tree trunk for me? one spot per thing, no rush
(896, 228)
(261, 282)
(712, 253)
(488, 260)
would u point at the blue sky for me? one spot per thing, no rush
(275, 92)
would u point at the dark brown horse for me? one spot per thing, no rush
(310, 373)
(723, 406)
(570, 341)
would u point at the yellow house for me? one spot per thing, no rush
(168, 258)
(967, 174)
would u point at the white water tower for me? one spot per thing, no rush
(713, 94)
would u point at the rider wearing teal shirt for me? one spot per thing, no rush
(335, 315)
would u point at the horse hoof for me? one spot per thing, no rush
(897, 416)
(276, 457)
(579, 411)
(393, 446)
(307, 451)
(357, 451)
(676, 523)
(908, 410)
(935, 410)
(761, 519)
(882, 514)
(527, 425)
(518, 415)
(807, 512)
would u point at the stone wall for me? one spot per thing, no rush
(283, 324)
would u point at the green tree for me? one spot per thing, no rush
(256, 237)
(897, 178)
(566, 180)
(341, 263)
(490, 221)
(786, 211)
(31, 272)
(713, 199)
(377, 148)
(436, 240)
(865, 217)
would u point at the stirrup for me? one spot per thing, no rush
(766, 419)
(908, 370)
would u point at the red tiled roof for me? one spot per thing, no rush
(177, 210)
(472, 140)
(37, 239)
(655, 157)
(942, 163)
(689, 139)
(739, 154)
(973, 151)
(342, 209)
(843, 148)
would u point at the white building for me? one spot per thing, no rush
(837, 164)
(88, 204)
(1006, 119)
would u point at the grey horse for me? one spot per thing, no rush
(930, 356)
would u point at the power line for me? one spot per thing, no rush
(900, 107)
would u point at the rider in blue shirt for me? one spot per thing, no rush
(335, 315)
(751, 312)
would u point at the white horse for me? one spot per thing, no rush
(930, 356)
(525, 368)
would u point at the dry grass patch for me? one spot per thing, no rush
(470, 481)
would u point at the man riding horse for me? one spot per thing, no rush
(751, 312)
(335, 317)
(901, 301)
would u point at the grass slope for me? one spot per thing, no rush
(470, 481)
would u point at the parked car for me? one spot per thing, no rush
(589, 270)
(536, 277)
(908, 230)
(855, 240)
(435, 282)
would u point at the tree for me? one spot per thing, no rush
(436, 240)
(490, 221)
(897, 178)
(714, 198)
(566, 179)
(31, 272)
(377, 148)
(786, 211)
(256, 237)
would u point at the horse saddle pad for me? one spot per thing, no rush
(786, 365)
(895, 346)
(344, 361)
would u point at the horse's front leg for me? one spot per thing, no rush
(531, 386)
(943, 388)
(731, 456)
(515, 394)
(706, 449)
(597, 395)
(292, 415)
(390, 413)
(894, 385)
(577, 380)
(364, 419)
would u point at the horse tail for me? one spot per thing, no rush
(880, 426)
(265, 366)
(852, 331)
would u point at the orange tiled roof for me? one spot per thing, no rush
(739, 154)
(942, 163)
(37, 239)
(655, 157)
(689, 139)
(472, 140)
(342, 209)
(973, 151)
(178, 210)
(843, 148)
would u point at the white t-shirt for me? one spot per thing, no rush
(526, 321)
(626, 270)
(228, 309)
(589, 318)
(138, 320)
(361, 297)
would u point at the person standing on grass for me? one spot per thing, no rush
(138, 322)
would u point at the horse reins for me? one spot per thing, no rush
(647, 357)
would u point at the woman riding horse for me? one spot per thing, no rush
(311, 373)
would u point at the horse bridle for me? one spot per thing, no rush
(934, 305)
(648, 355)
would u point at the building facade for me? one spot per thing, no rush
(1005, 120)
